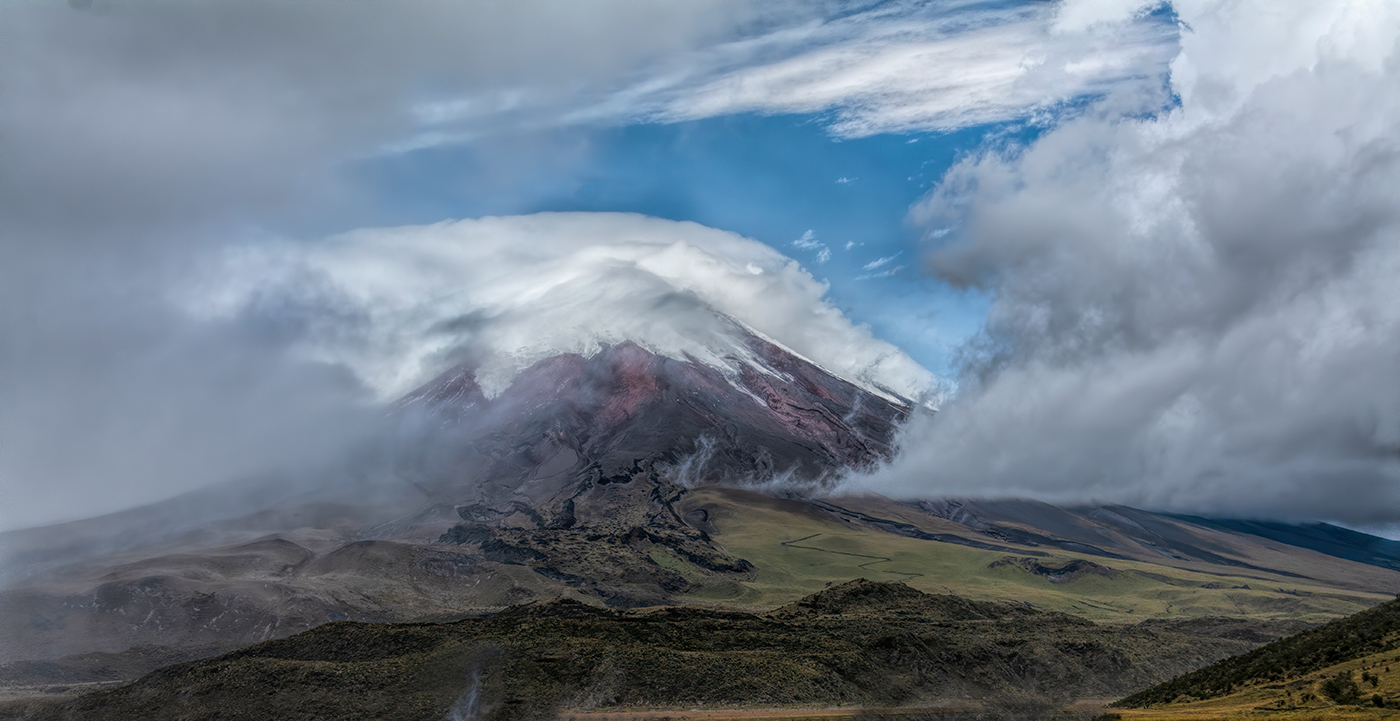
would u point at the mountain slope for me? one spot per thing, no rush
(1110, 531)
(776, 415)
(797, 545)
(1368, 633)
(575, 469)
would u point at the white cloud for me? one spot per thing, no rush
(1076, 16)
(872, 265)
(897, 67)
(397, 305)
(808, 241)
(1196, 311)
(910, 67)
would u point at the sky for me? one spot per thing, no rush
(1136, 252)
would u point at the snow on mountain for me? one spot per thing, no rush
(398, 306)
(780, 419)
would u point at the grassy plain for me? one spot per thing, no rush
(798, 550)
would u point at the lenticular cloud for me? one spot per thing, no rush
(398, 305)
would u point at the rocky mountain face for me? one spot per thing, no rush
(571, 417)
(575, 470)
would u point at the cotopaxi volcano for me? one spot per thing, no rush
(631, 477)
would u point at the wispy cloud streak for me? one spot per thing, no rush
(914, 66)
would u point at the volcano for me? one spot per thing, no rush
(576, 468)
(572, 420)
(573, 476)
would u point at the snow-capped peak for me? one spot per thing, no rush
(400, 305)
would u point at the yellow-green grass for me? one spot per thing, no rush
(1286, 700)
(798, 550)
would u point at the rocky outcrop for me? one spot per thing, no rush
(1062, 572)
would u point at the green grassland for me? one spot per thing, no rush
(798, 550)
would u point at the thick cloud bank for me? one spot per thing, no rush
(1197, 311)
(400, 305)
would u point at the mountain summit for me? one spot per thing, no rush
(772, 415)
(575, 468)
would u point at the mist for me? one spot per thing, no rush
(143, 138)
(149, 143)
(1197, 310)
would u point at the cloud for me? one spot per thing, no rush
(878, 262)
(890, 67)
(808, 241)
(140, 138)
(1080, 15)
(397, 306)
(126, 107)
(1199, 310)
(872, 269)
(903, 67)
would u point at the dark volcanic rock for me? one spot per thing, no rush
(1064, 573)
(892, 600)
(574, 469)
(604, 417)
(609, 551)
